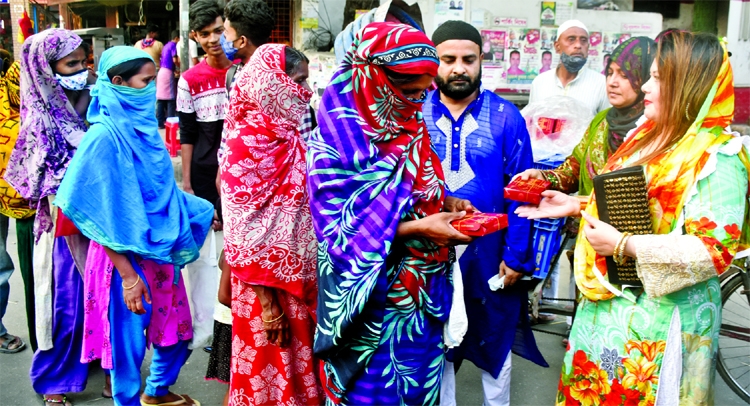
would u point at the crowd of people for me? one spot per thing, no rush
(313, 252)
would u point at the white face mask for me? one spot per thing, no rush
(76, 81)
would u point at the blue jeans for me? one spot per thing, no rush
(162, 106)
(6, 269)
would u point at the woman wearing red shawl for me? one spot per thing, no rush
(269, 241)
(377, 191)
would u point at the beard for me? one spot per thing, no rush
(459, 91)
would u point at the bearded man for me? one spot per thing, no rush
(482, 142)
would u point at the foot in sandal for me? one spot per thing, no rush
(10, 344)
(170, 399)
(56, 400)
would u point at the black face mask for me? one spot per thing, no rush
(572, 63)
(459, 91)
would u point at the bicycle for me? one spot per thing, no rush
(733, 357)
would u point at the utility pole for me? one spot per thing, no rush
(184, 35)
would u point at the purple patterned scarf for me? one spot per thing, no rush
(50, 127)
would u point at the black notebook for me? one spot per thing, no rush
(622, 201)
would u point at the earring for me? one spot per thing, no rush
(687, 115)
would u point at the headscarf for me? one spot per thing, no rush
(671, 177)
(371, 165)
(50, 127)
(12, 204)
(634, 57)
(268, 235)
(120, 189)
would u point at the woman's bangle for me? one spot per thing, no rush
(131, 287)
(620, 249)
(622, 256)
(272, 320)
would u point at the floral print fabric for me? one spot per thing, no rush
(50, 127)
(262, 373)
(170, 316)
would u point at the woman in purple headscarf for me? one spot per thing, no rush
(55, 83)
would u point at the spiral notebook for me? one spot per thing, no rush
(622, 201)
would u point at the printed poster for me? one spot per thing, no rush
(596, 52)
(548, 13)
(447, 10)
(563, 12)
(524, 62)
(493, 45)
(548, 59)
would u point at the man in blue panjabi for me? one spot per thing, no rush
(482, 142)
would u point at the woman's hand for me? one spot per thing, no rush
(602, 236)
(134, 297)
(274, 320)
(277, 330)
(530, 174)
(438, 229)
(554, 204)
(455, 205)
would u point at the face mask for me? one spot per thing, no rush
(228, 47)
(572, 63)
(76, 81)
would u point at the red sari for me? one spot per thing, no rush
(268, 234)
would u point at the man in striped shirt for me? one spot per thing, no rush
(571, 77)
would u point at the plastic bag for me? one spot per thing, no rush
(556, 125)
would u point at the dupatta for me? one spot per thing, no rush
(671, 178)
(120, 189)
(370, 166)
(268, 235)
(50, 127)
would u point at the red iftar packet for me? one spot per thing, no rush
(480, 224)
(526, 191)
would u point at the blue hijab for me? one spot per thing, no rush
(120, 189)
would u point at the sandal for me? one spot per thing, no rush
(184, 400)
(63, 401)
(12, 344)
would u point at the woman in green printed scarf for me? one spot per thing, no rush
(627, 71)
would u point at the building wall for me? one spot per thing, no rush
(685, 22)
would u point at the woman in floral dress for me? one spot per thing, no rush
(657, 344)
(269, 241)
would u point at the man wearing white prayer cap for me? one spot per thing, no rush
(588, 87)
(572, 77)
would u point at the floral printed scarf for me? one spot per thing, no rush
(370, 166)
(268, 234)
(50, 127)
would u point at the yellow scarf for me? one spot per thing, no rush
(11, 203)
(670, 175)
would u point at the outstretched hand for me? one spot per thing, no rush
(554, 204)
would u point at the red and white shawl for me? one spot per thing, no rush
(268, 234)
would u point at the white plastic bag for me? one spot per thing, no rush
(556, 125)
(455, 328)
